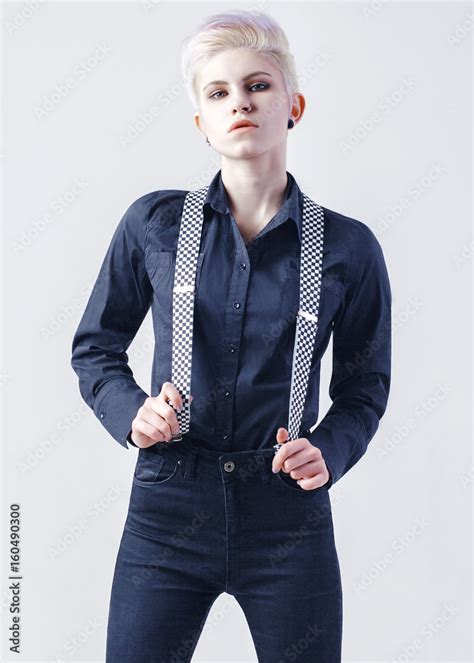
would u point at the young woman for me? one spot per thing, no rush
(216, 508)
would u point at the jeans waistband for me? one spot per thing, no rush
(245, 463)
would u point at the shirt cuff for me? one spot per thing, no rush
(117, 404)
(130, 441)
(339, 447)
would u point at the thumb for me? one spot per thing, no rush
(282, 435)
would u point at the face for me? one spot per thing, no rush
(241, 93)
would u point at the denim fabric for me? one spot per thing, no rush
(247, 297)
(201, 522)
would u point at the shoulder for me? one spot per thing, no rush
(353, 234)
(151, 214)
(150, 205)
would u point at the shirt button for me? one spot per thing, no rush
(236, 304)
(102, 415)
(243, 265)
(225, 436)
(226, 393)
(229, 466)
(231, 348)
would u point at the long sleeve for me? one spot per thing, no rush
(361, 368)
(118, 304)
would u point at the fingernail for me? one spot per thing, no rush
(274, 470)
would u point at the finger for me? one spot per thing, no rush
(287, 450)
(313, 482)
(163, 410)
(170, 393)
(142, 440)
(299, 458)
(282, 454)
(161, 415)
(155, 432)
(282, 435)
(305, 471)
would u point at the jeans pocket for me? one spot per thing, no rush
(154, 468)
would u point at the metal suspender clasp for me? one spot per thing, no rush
(184, 288)
(308, 315)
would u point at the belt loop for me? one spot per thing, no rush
(189, 469)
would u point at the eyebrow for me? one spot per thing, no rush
(254, 73)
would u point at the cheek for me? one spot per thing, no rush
(274, 121)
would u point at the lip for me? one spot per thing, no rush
(244, 128)
(247, 125)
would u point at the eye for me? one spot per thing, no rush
(264, 84)
(213, 95)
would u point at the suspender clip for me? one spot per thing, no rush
(308, 315)
(184, 288)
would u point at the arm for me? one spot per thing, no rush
(118, 303)
(360, 381)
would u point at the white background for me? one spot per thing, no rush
(386, 138)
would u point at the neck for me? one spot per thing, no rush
(255, 195)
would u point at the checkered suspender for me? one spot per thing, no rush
(189, 241)
(311, 262)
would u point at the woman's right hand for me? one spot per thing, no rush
(156, 421)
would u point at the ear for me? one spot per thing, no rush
(197, 121)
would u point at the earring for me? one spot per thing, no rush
(207, 141)
(291, 124)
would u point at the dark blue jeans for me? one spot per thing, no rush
(200, 523)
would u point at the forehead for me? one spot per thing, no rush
(233, 64)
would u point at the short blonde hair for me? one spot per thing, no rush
(236, 28)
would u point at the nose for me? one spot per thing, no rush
(240, 101)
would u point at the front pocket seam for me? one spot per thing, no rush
(142, 482)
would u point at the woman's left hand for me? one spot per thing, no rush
(302, 460)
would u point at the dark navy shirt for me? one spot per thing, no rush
(246, 301)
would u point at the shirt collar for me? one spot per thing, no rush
(291, 207)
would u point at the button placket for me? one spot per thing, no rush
(227, 369)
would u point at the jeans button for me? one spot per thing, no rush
(229, 466)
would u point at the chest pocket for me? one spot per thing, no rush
(332, 292)
(160, 266)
